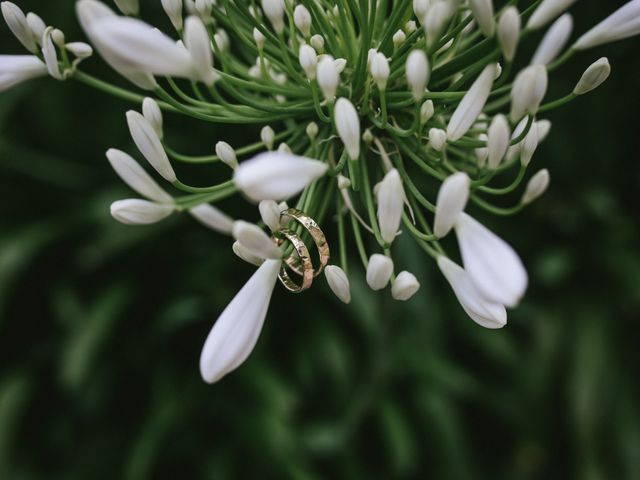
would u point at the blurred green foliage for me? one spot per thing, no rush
(102, 324)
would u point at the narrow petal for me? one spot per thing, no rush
(452, 198)
(213, 218)
(390, 205)
(132, 173)
(134, 211)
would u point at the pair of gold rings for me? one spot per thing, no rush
(299, 261)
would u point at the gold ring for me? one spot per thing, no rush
(318, 237)
(303, 260)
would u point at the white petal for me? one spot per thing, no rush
(50, 55)
(235, 333)
(379, 271)
(390, 205)
(485, 313)
(213, 218)
(593, 76)
(452, 198)
(554, 41)
(151, 111)
(338, 282)
(255, 240)
(149, 144)
(536, 186)
(17, 23)
(196, 39)
(348, 126)
(493, 266)
(136, 177)
(623, 23)
(546, 12)
(483, 13)
(405, 286)
(15, 69)
(270, 214)
(134, 211)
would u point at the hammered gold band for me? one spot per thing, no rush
(316, 233)
(303, 259)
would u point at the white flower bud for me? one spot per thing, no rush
(309, 61)
(17, 23)
(380, 71)
(390, 198)
(151, 111)
(221, 40)
(529, 146)
(452, 198)
(498, 140)
(128, 7)
(427, 111)
(274, 10)
(417, 70)
(149, 144)
(529, 88)
(51, 55)
(410, 27)
(255, 240)
(312, 130)
(593, 77)
(472, 104)
(277, 175)
(554, 41)
(509, 32)
(134, 211)
(227, 154)
(15, 69)
(283, 147)
(267, 136)
(173, 9)
(79, 49)
(136, 177)
(483, 13)
(347, 124)
(246, 255)
(270, 214)
(546, 12)
(379, 271)
(437, 139)
(37, 26)
(259, 38)
(213, 218)
(420, 8)
(343, 182)
(203, 10)
(57, 36)
(399, 38)
(536, 187)
(302, 20)
(623, 23)
(437, 17)
(328, 77)
(482, 153)
(544, 127)
(197, 42)
(340, 64)
(338, 282)
(405, 286)
(367, 136)
(317, 42)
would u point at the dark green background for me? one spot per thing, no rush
(101, 324)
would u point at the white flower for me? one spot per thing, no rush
(128, 7)
(427, 111)
(213, 218)
(420, 8)
(328, 77)
(274, 10)
(338, 282)
(509, 32)
(173, 9)
(270, 212)
(255, 240)
(317, 42)
(472, 104)
(309, 61)
(227, 154)
(437, 138)
(482, 311)
(135, 46)
(235, 333)
(91, 12)
(197, 42)
(36, 25)
(15, 69)
(149, 144)
(51, 55)
(380, 70)
(405, 286)
(134, 211)
(79, 49)
(493, 266)
(348, 126)
(529, 88)
(399, 38)
(136, 177)
(267, 136)
(621, 24)
(17, 23)
(151, 111)
(277, 175)
(498, 140)
(379, 271)
(593, 77)
(483, 13)
(437, 17)
(452, 198)
(546, 12)
(417, 71)
(554, 41)
(390, 205)
(536, 186)
(302, 20)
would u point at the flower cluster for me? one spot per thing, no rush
(381, 118)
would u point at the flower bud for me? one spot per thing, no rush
(435, 21)
(437, 139)
(529, 146)
(136, 177)
(274, 10)
(380, 71)
(544, 127)
(267, 136)
(379, 271)
(340, 64)
(15, 69)
(536, 187)
(283, 147)
(343, 182)
(482, 153)
(347, 124)
(302, 20)
(420, 8)
(312, 130)
(399, 38)
(498, 140)
(328, 78)
(173, 9)
(203, 10)
(427, 111)
(410, 27)
(149, 144)
(338, 282)
(212, 218)
(509, 32)
(405, 286)
(134, 211)
(128, 7)
(255, 240)
(554, 41)
(196, 39)
(390, 198)
(529, 88)
(483, 13)
(452, 198)
(246, 255)
(227, 154)
(270, 214)
(546, 12)
(623, 23)
(593, 77)
(17, 23)
(417, 70)
(152, 113)
(51, 55)
(79, 49)
(259, 38)
(317, 42)
(36, 25)
(309, 61)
